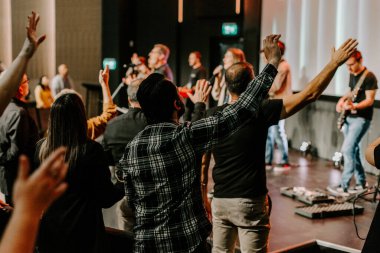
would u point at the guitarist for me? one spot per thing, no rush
(358, 105)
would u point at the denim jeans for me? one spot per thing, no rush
(276, 134)
(243, 217)
(353, 130)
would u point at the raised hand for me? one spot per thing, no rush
(36, 192)
(32, 41)
(201, 92)
(104, 76)
(271, 50)
(344, 51)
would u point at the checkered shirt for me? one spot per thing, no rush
(162, 173)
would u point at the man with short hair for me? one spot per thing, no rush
(122, 129)
(158, 61)
(359, 110)
(62, 80)
(198, 72)
(18, 135)
(119, 132)
(162, 163)
(240, 206)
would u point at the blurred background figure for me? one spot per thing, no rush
(158, 61)
(137, 69)
(62, 80)
(42, 93)
(18, 135)
(139, 62)
(197, 72)
(281, 88)
(219, 91)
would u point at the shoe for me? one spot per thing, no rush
(358, 189)
(282, 167)
(268, 166)
(338, 191)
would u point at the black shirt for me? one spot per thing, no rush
(120, 131)
(370, 83)
(74, 222)
(239, 170)
(197, 74)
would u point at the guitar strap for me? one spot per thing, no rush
(359, 84)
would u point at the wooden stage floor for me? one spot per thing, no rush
(289, 228)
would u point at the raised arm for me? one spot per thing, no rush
(97, 125)
(11, 79)
(207, 132)
(314, 89)
(104, 76)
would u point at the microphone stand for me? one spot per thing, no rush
(121, 85)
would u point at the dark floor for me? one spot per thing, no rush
(289, 228)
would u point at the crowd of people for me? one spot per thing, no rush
(161, 150)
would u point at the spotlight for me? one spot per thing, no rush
(337, 160)
(305, 147)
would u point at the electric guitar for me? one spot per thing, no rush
(351, 98)
(343, 114)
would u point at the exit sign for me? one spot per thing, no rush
(111, 62)
(230, 29)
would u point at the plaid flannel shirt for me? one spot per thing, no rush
(162, 173)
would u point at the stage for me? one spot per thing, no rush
(289, 228)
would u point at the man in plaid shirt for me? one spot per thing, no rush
(162, 163)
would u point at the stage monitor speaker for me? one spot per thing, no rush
(317, 246)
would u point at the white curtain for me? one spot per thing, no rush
(310, 28)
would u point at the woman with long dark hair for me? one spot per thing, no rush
(42, 93)
(74, 223)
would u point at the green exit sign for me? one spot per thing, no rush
(230, 29)
(111, 62)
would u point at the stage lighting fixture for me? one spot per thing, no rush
(337, 160)
(305, 146)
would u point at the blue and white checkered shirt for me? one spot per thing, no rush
(162, 172)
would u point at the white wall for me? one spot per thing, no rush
(310, 28)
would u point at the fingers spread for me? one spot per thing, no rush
(41, 39)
